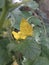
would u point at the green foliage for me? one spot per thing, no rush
(2, 3)
(4, 57)
(41, 61)
(31, 51)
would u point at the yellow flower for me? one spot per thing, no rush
(18, 35)
(25, 30)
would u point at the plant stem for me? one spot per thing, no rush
(4, 12)
(6, 8)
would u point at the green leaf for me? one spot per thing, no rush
(32, 4)
(29, 48)
(17, 17)
(41, 61)
(35, 20)
(2, 2)
(4, 57)
(45, 49)
(27, 62)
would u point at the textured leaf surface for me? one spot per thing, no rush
(41, 61)
(4, 57)
(29, 49)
